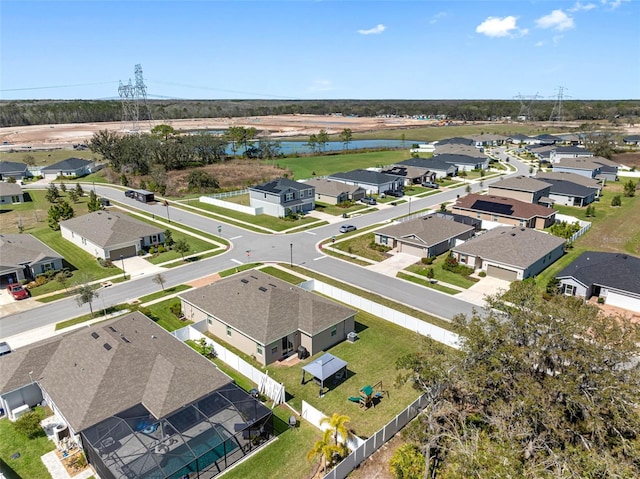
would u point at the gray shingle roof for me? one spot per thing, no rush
(425, 231)
(10, 189)
(431, 164)
(12, 167)
(519, 247)
(567, 176)
(615, 270)
(568, 188)
(266, 308)
(331, 188)
(365, 176)
(106, 228)
(89, 383)
(280, 185)
(456, 149)
(520, 183)
(578, 163)
(68, 164)
(464, 159)
(20, 249)
(573, 149)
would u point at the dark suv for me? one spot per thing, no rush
(396, 193)
(129, 193)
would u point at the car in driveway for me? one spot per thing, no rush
(430, 184)
(368, 200)
(4, 348)
(17, 291)
(395, 193)
(347, 228)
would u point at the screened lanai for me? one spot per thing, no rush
(199, 440)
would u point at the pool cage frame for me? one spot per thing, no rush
(200, 440)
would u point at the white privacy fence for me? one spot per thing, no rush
(584, 225)
(314, 417)
(231, 206)
(371, 445)
(401, 319)
(266, 385)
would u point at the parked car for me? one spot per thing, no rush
(430, 184)
(17, 291)
(347, 228)
(129, 193)
(396, 193)
(4, 348)
(368, 200)
(104, 201)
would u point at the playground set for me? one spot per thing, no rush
(370, 395)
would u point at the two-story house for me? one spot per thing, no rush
(283, 197)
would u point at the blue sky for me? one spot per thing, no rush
(301, 49)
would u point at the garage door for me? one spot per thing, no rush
(501, 273)
(414, 250)
(126, 252)
(622, 301)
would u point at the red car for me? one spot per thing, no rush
(17, 291)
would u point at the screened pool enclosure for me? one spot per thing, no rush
(199, 440)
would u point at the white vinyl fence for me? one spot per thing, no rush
(584, 225)
(401, 319)
(231, 206)
(314, 417)
(378, 439)
(266, 385)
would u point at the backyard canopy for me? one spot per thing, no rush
(324, 367)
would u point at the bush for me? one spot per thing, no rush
(29, 425)
(482, 274)
(379, 247)
(152, 250)
(430, 273)
(161, 249)
(428, 260)
(407, 462)
(616, 201)
(176, 309)
(41, 279)
(600, 300)
(450, 264)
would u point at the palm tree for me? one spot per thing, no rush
(338, 424)
(323, 448)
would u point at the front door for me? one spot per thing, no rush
(287, 346)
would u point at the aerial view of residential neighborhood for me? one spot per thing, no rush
(275, 239)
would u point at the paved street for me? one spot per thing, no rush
(247, 246)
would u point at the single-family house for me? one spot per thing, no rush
(282, 197)
(71, 167)
(434, 165)
(488, 139)
(266, 317)
(510, 253)
(522, 188)
(568, 193)
(559, 152)
(519, 139)
(615, 277)
(540, 152)
(136, 400)
(580, 166)
(12, 169)
(464, 162)
(456, 140)
(465, 220)
(373, 182)
(335, 192)
(424, 237)
(110, 235)
(411, 175)
(456, 149)
(570, 138)
(631, 140)
(500, 209)
(23, 257)
(608, 168)
(10, 193)
(547, 139)
(571, 177)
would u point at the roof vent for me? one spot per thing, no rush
(113, 329)
(107, 346)
(513, 234)
(254, 277)
(262, 288)
(95, 335)
(272, 285)
(125, 339)
(244, 280)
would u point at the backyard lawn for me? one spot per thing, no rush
(336, 210)
(48, 157)
(161, 313)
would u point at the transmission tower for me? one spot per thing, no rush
(557, 113)
(526, 106)
(134, 97)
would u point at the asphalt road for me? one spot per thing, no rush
(300, 248)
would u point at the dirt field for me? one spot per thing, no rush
(64, 135)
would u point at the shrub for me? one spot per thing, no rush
(407, 462)
(616, 201)
(161, 249)
(430, 273)
(450, 264)
(41, 279)
(428, 260)
(482, 274)
(152, 250)
(379, 247)
(600, 300)
(176, 309)
(29, 425)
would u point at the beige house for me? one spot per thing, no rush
(10, 193)
(335, 192)
(266, 317)
(500, 209)
(522, 188)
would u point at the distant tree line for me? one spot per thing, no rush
(34, 112)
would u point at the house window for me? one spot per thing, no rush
(15, 199)
(495, 217)
(288, 196)
(334, 331)
(209, 320)
(228, 330)
(274, 350)
(259, 349)
(478, 216)
(154, 239)
(384, 240)
(463, 258)
(84, 241)
(522, 223)
(569, 290)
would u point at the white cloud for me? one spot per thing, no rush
(437, 17)
(378, 29)
(321, 85)
(499, 27)
(613, 4)
(579, 6)
(558, 20)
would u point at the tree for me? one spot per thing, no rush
(324, 448)
(79, 190)
(86, 294)
(29, 160)
(168, 238)
(182, 247)
(73, 196)
(538, 387)
(323, 139)
(346, 136)
(59, 212)
(467, 189)
(313, 143)
(163, 131)
(63, 187)
(94, 203)
(207, 349)
(407, 462)
(338, 424)
(160, 279)
(629, 189)
(616, 201)
(52, 195)
(200, 180)
(29, 425)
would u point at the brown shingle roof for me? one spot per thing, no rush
(106, 228)
(89, 383)
(520, 247)
(514, 208)
(20, 249)
(426, 231)
(266, 308)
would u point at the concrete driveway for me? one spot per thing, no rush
(486, 286)
(137, 266)
(391, 266)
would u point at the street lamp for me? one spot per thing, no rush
(291, 257)
(124, 275)
(166, 203)
(409, 205)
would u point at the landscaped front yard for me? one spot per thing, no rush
(441, 274)
(360, 245)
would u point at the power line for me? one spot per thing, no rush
(58, 86)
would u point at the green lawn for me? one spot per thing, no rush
(28, 465)
(426, 283)
(442, 274)
(166, 292)
(359, 246)
(161, 314)
(337, 210)
(238, 269)
(49, 157)
(97, 312)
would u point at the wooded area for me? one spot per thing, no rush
(36, 112)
